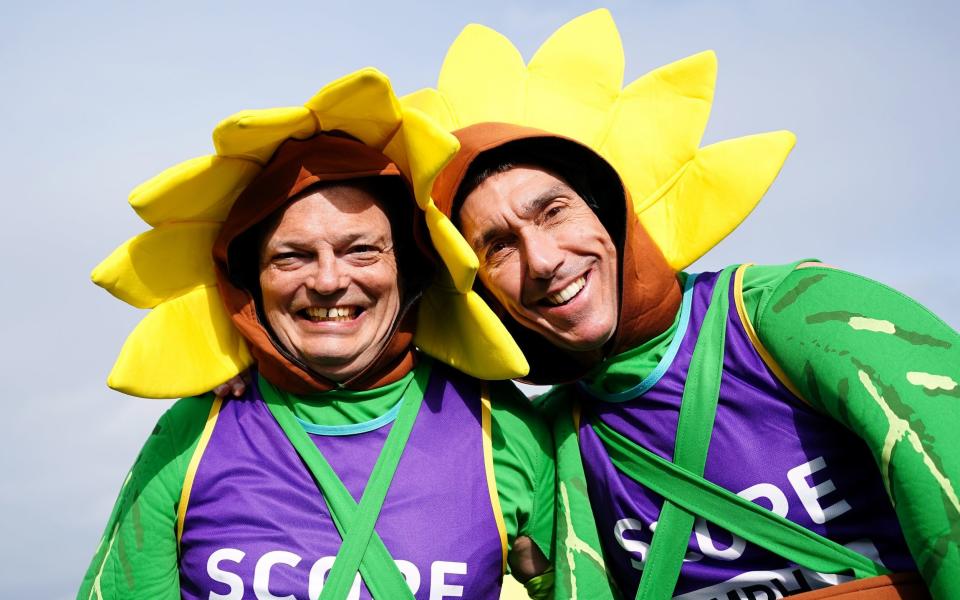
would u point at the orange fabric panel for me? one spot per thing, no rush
(899, 586)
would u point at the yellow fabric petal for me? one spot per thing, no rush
(658, 121)
(461, 331)
(456, 253)
(575, 77)
(255, 134)
(432, 103)
(483, 78)
(713, 193)
(200, 189)
(361, 104)
(422, 148)
(183, 347)
(160, 264)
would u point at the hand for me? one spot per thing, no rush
(235, 386)
(526, 560)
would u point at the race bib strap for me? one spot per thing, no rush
(362, 548)
(698, 409)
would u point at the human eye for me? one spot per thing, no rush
(288, 259)
(553, 210)
(497, 250)
(362, 249)
(363, 253)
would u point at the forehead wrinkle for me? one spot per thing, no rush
(528, 210)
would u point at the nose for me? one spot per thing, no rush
(327, 276)
(542, 255)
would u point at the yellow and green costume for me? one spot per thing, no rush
(845, 345)
(189, 343)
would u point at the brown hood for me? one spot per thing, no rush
(649, 292)
(296, 166)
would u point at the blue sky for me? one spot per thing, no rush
(97, 97)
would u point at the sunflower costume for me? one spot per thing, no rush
(426, 476)
(825, 398)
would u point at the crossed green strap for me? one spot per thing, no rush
(698, 408)
(733, 513)
(687, 494)
(362, 549)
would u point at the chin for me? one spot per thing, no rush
(584, 341)
(331, 366)
(572, 344)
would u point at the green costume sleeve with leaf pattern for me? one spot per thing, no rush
(137, 555)
(889, 370)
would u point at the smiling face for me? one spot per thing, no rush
(545, 256)
(329, 281)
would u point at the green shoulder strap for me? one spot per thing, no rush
(698, 407)
(362, 548)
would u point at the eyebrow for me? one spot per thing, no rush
(531, 207)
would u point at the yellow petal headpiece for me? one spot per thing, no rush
(688, 198)
(188, 344)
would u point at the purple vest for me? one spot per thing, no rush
(257, 527)
(767, 446)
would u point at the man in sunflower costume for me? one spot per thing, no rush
(757, 432)
(356, 464)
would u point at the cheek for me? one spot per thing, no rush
(500, 283)
(275, 291)
(597, 242)
(383, 285)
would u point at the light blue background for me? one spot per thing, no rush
(97, 97)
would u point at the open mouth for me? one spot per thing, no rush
(566, 294)
(318, 314)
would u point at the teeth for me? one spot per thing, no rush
(337, 313)
(568, 292)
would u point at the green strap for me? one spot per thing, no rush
(735, 514)
(361, 529)
(362, 548)
(698, 407)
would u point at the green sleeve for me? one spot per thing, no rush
(540, 587)
(887, 369)
(523, 466)
(759, 283)
(137, 555)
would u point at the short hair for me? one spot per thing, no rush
(590, 176)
